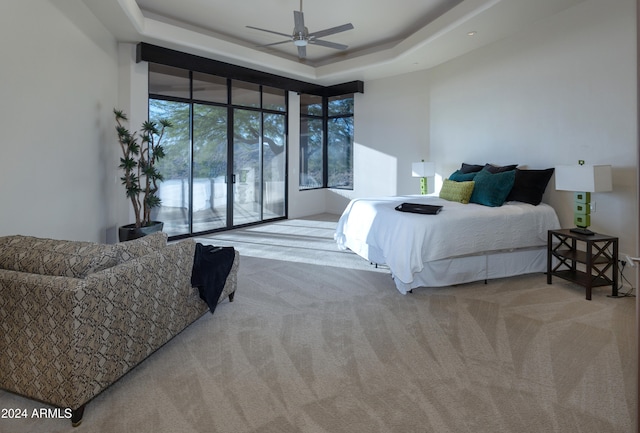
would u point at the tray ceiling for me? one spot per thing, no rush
(389, 36)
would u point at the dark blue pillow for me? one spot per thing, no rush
(460, 176)
(499, 168)
(470, 168)
(492, 189)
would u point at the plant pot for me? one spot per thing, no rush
(130, 232)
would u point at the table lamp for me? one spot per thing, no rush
(423, 170)
(583, 180)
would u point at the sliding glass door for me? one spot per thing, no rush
(210, 161)
(247, 162)
(260, 166)
(175, 189)
(225, 162)
(274, 165)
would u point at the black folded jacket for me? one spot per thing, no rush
(211, 267)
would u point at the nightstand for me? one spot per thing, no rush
(598, 257)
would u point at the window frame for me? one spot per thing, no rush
(325, 118)
(146, 52)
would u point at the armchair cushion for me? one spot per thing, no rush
(128, 250)
(55, 257)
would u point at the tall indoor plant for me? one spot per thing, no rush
(141, 176)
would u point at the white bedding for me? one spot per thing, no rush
(373, 229)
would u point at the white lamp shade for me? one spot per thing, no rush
(583, 178)
(423, 169)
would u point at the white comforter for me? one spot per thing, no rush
(404, 241)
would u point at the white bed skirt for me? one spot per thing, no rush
(459, 270)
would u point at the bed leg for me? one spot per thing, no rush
(485, 281)
(410, 291)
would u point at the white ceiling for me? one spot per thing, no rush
(389, 37)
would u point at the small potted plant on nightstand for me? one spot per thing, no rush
(140, 177)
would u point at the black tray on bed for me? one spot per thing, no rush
(427, 209)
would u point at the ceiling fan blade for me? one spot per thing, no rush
(298, 22)
(302, 52)
(331, 31)
(270, 31)
(328, 44)
(275, 43)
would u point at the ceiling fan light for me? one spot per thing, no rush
(300, 42)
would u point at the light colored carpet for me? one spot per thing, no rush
(312, 347)
(305, 240)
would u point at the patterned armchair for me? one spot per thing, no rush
(77, 316)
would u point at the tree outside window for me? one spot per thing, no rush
(326, 142)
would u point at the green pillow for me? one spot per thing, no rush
(457, 191)
(492, 189)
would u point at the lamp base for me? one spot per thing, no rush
(423, 186)
(583, 231)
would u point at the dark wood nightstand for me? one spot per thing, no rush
(599, 258)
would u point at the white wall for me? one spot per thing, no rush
(561, 91)
(391, 131)
(133, 100)
(59, 83)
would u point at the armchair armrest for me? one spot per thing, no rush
(36, 346)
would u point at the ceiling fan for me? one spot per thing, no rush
(301, 36)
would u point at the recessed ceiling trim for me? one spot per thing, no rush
(133, 12)
(441, 40)
(181, 38)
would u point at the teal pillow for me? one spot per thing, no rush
(461, 176)
(492, 189)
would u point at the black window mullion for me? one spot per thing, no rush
(261, 153)
(325, 141)
(261, 161)
(231, 177)
(286, 149)
(191, 152)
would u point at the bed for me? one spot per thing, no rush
(462, 243)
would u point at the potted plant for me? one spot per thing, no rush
(140, 177)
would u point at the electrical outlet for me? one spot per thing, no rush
(632, 261)
(592, 207)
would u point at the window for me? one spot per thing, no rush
(311, 142)
(340, 142)
(326, 141)
(327, 121)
